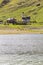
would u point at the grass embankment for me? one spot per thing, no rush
(21, 29)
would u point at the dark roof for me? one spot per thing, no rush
(26, 18)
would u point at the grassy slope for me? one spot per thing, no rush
(12, 9)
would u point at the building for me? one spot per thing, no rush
(25, 18)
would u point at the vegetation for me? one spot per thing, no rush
(14, 8)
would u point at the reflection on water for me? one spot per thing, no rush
(25, 49)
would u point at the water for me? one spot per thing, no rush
(24, 49)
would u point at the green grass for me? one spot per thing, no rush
(12, 9)
(22, 27)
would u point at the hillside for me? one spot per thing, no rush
(14, 8)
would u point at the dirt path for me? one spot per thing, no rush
(15, 31)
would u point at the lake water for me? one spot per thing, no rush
(21, 49)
